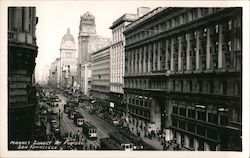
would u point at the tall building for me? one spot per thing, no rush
(53, 75)
(117, 59)
(68, 61)
(183, 76)
(100, 79)
(22, 52)
(88, 42)
(45, 75)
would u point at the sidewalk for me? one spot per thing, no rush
(154, 142)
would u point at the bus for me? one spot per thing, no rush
(109, 144)
(89, 130)
(78, 119)
(124, 142)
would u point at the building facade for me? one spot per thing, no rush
(183, 76)
(22, 52)
(117, 60)
(100, 79)
(68, 59)
(88, 42)
(53, 75)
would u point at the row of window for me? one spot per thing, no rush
(179, 56)
(211, 86)
(139, 112)
(117, 33)
(139, 101)
(170, 23)
(201, 114)
(196, 129)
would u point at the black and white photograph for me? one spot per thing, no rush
(125, 77)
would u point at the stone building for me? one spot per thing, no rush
(183, 76)
(68, 59)
(117, 59)
(22, 52)
(100, 79)
(88, 42)
(53, 75)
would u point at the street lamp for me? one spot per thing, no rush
(60, 120)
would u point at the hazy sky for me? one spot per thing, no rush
(56, 17)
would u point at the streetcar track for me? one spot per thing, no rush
(68, 124)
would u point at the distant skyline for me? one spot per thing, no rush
(56, 17)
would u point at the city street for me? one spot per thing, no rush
(68, 126)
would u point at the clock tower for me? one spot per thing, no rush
(87, 32)
(87, 25)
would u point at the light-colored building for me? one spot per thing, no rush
(117, 59)
(53, 74)
(88, 42)
(68, 60)
(45, 75)
(183, 76)
(100, 79)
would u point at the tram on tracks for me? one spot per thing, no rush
(89, 130)
(78, 119)
(124, 142)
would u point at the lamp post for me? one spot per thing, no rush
(60, 120)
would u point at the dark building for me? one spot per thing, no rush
(22, 52)
(183, 76)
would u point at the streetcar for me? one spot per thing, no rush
(137, 141)
(124, 142)
(66, 108)
(78, 119)
(109, 144)
(89, 130)
(71, 113)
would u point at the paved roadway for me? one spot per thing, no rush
(67, 125)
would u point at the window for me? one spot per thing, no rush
(173, 85)
(175, 109)
(190, 85)
(201, 115)
(174, 122)
(212, 118)
(211, 86)
(141, 102)
(182, 125)
(224, 87)
(236, 115)
(223, 120)
(200, 86)
(181, 86)
(183, 111)
(201, 130)
(191, 127)
(133, 101)
(137, 102)
(191, 113)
